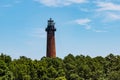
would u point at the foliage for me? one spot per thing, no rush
(78, 67)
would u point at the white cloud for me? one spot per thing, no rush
(99, 31)
(105, 6)
(87, 27)
(48, 2)
(108, 11)
(10, 4)
(56, 3)
(85, 22)
(17, 1)
(114, 16)
(38, 32)
(84, 9)
(7, 5)
(110, 16)
(76, 1)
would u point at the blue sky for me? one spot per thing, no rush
(88, 27)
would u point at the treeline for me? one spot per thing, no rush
(78, 67)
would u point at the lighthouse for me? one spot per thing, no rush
(51, 50)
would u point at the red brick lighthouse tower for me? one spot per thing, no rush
(51, 50)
